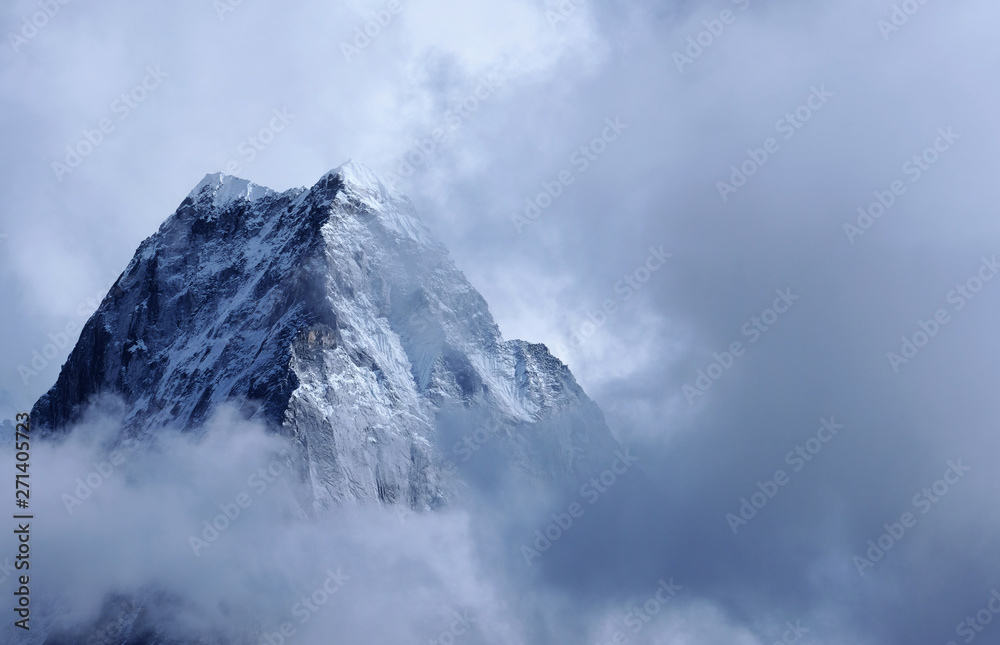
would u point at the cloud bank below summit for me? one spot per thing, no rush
(198, 534)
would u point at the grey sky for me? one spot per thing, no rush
(867, 98)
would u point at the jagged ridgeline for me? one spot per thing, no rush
(333, 316)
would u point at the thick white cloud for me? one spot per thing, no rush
(656, 184)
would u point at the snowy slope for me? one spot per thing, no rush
(334, 316)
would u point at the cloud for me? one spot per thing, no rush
(892, 92)
(211, 533)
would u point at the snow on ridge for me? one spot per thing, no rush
(396, 212)
(361, 177)
(362, 183)
(223, 189)
(360, 180)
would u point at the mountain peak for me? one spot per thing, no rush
(362, 182)
(219, 189)
(332, 316)
(357, 173)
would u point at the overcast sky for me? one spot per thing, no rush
(709, 160)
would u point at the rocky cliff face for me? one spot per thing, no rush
(333, 316)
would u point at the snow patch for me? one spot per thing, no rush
(220, 189)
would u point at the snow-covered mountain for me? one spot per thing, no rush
(332, 315)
